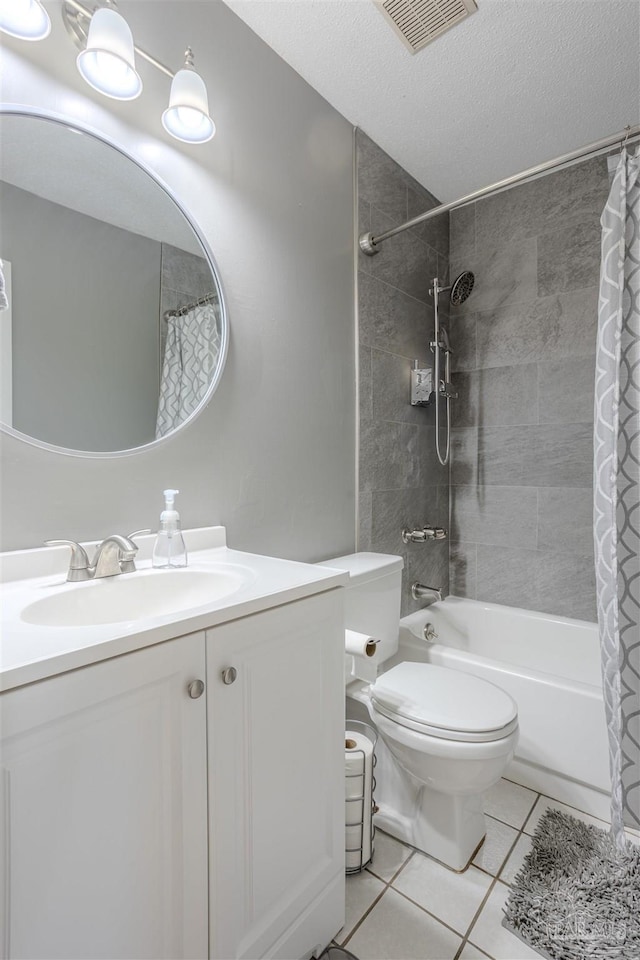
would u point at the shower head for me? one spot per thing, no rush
(461, 288)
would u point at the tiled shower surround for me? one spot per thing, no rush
(522, 463)
(401, 481)
(519, 507)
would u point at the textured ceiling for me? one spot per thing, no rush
(517, 83)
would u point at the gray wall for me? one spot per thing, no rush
(85, 325)
(521, 495)
(273, 455)
(401, 482)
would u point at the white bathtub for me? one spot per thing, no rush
(551, 667)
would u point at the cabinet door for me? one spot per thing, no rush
(103, 817)
(276, 760)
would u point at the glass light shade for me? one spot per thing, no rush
(25, 19)
(187, 116)
(108, 62)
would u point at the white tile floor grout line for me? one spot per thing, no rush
(496, 876)
(413, 850)
(434, 916)
(475, 917)
(364, 916)
(521, 833)
(475, 947)
(509, 849)
(387, 885)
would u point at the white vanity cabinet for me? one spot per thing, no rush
(276, 776)
(104, 806)
(145, 815)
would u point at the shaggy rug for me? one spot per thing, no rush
(576, 897)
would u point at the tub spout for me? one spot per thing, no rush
(428, 595)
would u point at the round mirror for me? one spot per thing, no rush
(113, 331)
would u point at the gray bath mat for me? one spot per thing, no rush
(575, 897)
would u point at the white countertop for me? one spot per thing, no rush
(30, 652)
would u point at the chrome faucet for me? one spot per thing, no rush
(428, 595)
(115, 555)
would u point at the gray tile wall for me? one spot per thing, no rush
(522, 457)
(401, 482)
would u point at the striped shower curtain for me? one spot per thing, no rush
(617, 487)
(190, 360)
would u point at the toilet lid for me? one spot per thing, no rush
(444, 702)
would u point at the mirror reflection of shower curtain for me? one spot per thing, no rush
(617, 487)
(190, 359)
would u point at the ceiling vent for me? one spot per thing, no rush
(418, 22)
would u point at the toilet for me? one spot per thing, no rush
(445, 737)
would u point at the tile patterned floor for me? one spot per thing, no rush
(406, 906)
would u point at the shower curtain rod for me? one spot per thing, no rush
(369, 243)
(180, 312)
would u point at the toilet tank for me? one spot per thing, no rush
(372, 597)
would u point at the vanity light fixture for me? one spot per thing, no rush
(24, 19)
(107, 60)
(187, 116)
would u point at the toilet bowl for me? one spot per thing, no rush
(453, 735)
(446, 736)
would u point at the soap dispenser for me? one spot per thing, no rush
(169, 549)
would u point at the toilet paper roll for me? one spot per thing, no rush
(363, 651)
(358, 761)
(359, 644)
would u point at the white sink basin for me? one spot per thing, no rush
(134, 596)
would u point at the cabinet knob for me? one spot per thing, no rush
(229, 674)
(195, 689)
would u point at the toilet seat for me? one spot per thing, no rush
(444, 703)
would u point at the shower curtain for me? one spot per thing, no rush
(617, 487)
(190, 359)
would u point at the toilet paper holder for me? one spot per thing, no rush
(357, 816)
